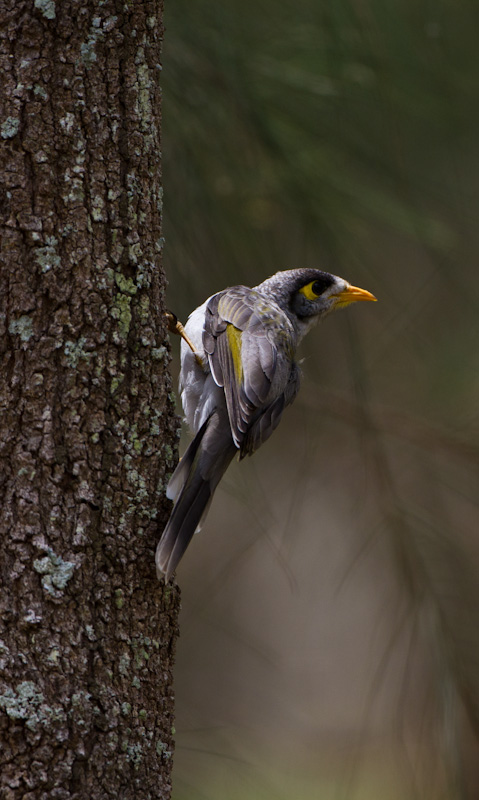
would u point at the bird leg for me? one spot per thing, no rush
(175, 326)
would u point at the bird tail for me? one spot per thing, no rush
(192, 486)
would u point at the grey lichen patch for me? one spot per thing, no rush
(67, 230)
(121, 310)
(124, 664)
(133, 183)
(141, 646)
(168, 451)
(109, 24)
(53, 655)
(135, 252)
(144, 309)
(126, 709)
(87, 49)
(125, 285)
(32, 617)
(90, 632)
(115, 383)
(74, 352)
(26, 702)
(40, 157)
(141, 656)
(47, 257)
(144, 102)
(159, 353)
(22, 327)
(47, 7)
(80, 698)
(162, 749)
(39, 91)
(143, 274)
(55, 571)
(96, 34)
(155, 428)
(68, 123)
(9, 128)
(112, 742)
(76, 194)
(4, 656)
(137, 480)
(98, 208)
(134, 754)
(132, 442)
(119, 598)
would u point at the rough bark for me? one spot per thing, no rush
(87, 430)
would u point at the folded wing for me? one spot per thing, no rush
(249, 343)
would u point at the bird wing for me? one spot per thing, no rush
(269, 419)
(242, 334)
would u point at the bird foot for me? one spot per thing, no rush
(175, 326)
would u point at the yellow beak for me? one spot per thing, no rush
(351, 295)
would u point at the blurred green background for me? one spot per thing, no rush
(329, 634)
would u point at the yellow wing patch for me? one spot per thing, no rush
(234, 342)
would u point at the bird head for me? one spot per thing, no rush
(307, 295)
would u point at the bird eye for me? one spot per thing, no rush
(312, 290)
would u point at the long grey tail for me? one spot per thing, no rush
(192, 486)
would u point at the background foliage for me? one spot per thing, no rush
(329, 642)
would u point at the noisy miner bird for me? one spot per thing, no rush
(238, 374)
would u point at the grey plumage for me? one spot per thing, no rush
(235, 394)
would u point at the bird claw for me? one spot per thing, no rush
(175, 326)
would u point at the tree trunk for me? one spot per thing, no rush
(87, 430)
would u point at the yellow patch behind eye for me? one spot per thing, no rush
(308, 291)
(234, 341)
